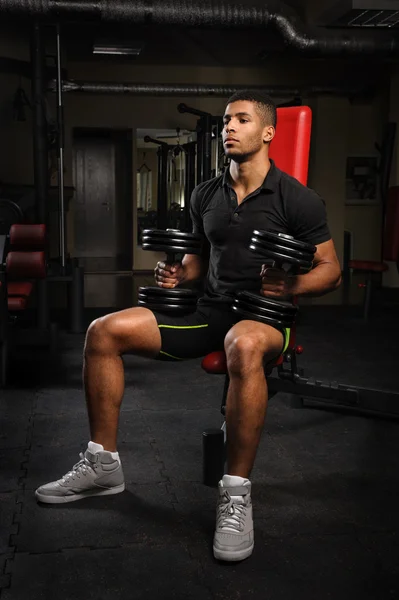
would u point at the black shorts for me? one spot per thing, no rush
(197, 334)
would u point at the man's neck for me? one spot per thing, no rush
(249, 175)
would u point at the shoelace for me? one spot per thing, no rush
(83, 466)
(231, 513)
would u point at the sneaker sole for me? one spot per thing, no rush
(73, 498)
(231, 556)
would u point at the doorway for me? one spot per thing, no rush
(102, 173)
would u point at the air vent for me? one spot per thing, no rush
(381, 14)
(368, 18)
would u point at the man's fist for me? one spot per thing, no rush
(168, 276)
(276, 283)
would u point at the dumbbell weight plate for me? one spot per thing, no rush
(173, 292)
(166, 300)
(267, 312)
(172, 300)
(174, 240)
(253, 316)
(285, 241)
(267, 246)
(283, 258)
(169, 249)
(285, 320)
(173, 233)
(286, 308)
(171, 241)
(174, 308)
(180, 238)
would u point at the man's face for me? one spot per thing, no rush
(243, 131)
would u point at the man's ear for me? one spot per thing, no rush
(268, 134)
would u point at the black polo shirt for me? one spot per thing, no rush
(280, 205)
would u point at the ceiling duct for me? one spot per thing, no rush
(315, 42)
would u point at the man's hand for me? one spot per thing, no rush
(169, 276)
(276, 283)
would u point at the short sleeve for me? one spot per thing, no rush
(195, 213)
(310, 218)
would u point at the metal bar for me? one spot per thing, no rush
(40, 154)
(207, 148)
(4, 325)
(203, 90)
(60, 119)
(217, 150)
(200, 152)
(384, 402)
(162, 208)
(76, 298)
(190, 182)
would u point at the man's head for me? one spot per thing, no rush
(250, 121)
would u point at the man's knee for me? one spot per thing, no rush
(102, 334)
(244, 352)
(251, 350)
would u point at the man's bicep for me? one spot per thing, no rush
(309, 219)
(196, 264)
(195, 213)
(326, 253)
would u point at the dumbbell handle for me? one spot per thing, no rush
(276, 264)
(173, 258)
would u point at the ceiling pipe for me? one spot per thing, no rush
(224, 14)
(202, 90)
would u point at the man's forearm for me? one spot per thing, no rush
(324, 278)
(193, 269)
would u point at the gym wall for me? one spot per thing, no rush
(340, 128)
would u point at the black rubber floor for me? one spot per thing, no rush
(325, 484)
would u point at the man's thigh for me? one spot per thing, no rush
(204, 331)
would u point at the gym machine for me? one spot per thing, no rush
(64, 269)
(189, 152)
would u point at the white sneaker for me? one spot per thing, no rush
(95, 474)
(234, 535)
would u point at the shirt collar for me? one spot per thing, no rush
(270, 182)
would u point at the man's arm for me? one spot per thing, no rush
(194, 267)
(325, 276)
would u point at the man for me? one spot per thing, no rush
(252, 194)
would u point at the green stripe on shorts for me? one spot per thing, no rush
(287, 333)
(184, 326)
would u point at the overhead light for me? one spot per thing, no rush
(117, 49)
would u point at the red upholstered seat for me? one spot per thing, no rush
(17, 303)
(368, 265)
(20, 288)
(24, 236)
(290, 151)
(18, 295)
(215, 363)
(26, 265)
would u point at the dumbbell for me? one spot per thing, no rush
(283, 250)
(175, 244)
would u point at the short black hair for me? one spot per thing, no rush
(264, 104)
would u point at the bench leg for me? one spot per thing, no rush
(213, 456)
(3, 364)
(367, 299)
